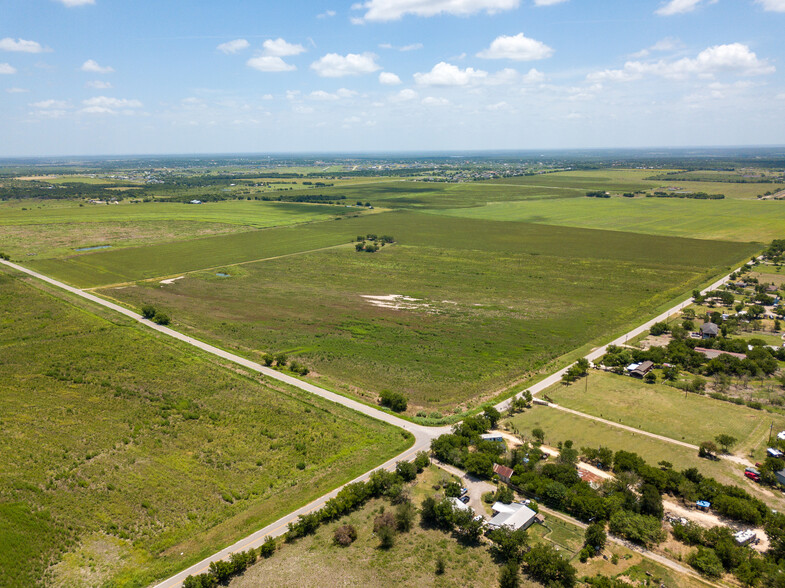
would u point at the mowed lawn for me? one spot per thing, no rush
(487, 302)
(666, 411)
(731, 220)
(560, 426)
(125, 457)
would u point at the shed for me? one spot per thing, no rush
(503, 472)
(642, 369)
(495, 437)
(780, 475)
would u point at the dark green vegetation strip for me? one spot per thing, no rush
(120, 451)
(408, 228)
(494, 300)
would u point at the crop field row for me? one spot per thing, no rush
(732, 220)
(125, 457)
(455, 310)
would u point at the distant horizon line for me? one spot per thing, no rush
(405, 152)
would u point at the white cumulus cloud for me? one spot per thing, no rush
(21, 46)
(433, 101)
(71, 3)
(446, 74)
(772, 5)
(385, 10)
(92, 66)
(107, 105)
(389, 79)
(680, 6)
(733, 58)
(334, 65)
(17, 90)
(404, 95)
(7, 69)
(270, 63)
(533, 76)
(280, 48)
(233, 46)
(547, 2)
(517, 47)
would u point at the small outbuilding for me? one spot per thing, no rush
(780, 475)
(503, 472)
(495, 437)
(642, 369)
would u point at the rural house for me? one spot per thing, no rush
(641, 369)
(515, 516)
(503, 472)
(709, 330)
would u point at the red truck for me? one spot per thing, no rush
(752, 474)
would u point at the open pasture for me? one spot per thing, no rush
(486, 303)
(125, 456)
(731, 220)
(670, 412)
(613, 180)
(106, 267)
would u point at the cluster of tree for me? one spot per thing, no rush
(717, 553)
(372, 243)
(353, 496)
(577, 370)
(149, 312)
(68, 190)
(598, 194)
(775, 250)
(220, 572)
(395, 401)
(318, 198)
(693, 195)
(760, 360)
(465, 448)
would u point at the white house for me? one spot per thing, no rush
(515, 516)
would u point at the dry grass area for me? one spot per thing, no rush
(51, 240)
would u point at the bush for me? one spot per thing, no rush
(148, 311)
(393, 400)
(268, 547)
(5, 256)
(345, 535)
(637, 528)
(160, 318)
(281, 359)
(547, 566)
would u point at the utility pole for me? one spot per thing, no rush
(771, 430)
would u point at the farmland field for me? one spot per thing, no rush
(732, 220)
(494, 300)
(666, 411)
(126, 456)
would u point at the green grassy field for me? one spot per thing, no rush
(494, 300)
(125, 456)
(409, 228)
(732, 220)
(562, 426)
(666, 411)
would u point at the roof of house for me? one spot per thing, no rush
(709, 329)
(459, 505)
(503, 471)
(643, 368)
(520, 516)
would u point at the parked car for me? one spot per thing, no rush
(755, 477)
(463, 491)
(464, 499)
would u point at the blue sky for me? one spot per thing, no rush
(178, 76)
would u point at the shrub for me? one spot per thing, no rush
(148, 311)
(345, 535)
(268, 547)
(161, 318)
(393, 400)
(705, 560)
